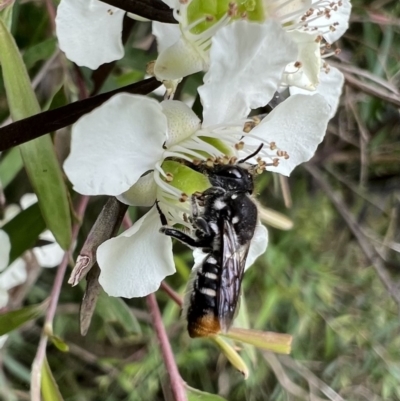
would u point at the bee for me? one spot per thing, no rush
(224, 218)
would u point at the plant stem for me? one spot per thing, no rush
(177, 385)
(54, 296)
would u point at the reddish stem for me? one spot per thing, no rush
(171, 293)
(54, 296)
(177, 385)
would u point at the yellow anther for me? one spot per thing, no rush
(183, 197)
(225, 159)
(210, 162)
(239, 145)
(248, 126)
(281, 153)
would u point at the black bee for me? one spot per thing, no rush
(224, 219)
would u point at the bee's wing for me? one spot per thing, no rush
(232, 269)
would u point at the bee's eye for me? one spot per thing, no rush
(234, 173)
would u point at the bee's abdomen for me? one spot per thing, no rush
(202, 314)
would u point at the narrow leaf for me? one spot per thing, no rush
(10, 165)
(197, 395)
(233, 357)
(116, 310)
(23, 230)
(11, 320)
(50, 390)
(59, 343)
(267, 340)
(39, 156)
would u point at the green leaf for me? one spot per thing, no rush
(6, 14)
(11, 320)
(10, 166)
(23, 230)
(50, 390)
(39, 156)
(38, 52)
(59, 343)
(197, 395)
(116, 310)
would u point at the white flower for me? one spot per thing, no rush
(10, 276)
(47, 255)
(185, 50)
(14, 275)
(50, 254)
(130, 135)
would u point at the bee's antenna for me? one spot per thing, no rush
(164, 221)
(253, 154)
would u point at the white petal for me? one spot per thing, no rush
(10, 212)
(177, 61)
(166, 34)
(246, 65)
(5, 247)
(297, 126)
(48, 255)
(143, 193)
(182, 121)
(330, 87)
(89, 32)
(28, 200)
(115, 144)
(134, 263)
(3, 339)
(287, 12)
(340, 17)
(307, 75)
(14, 275)
(3, 297)
(258, 245)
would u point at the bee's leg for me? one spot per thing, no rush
(184, 238)
(203, 226)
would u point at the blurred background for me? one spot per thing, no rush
(332, 280)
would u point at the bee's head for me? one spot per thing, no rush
(237, 177)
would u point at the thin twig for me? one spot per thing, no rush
(371, 90)
(54, 296)
(52, 14)
(177, 385)
(171, 293)
(284, 379)
(311, 378)
(366, 247)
